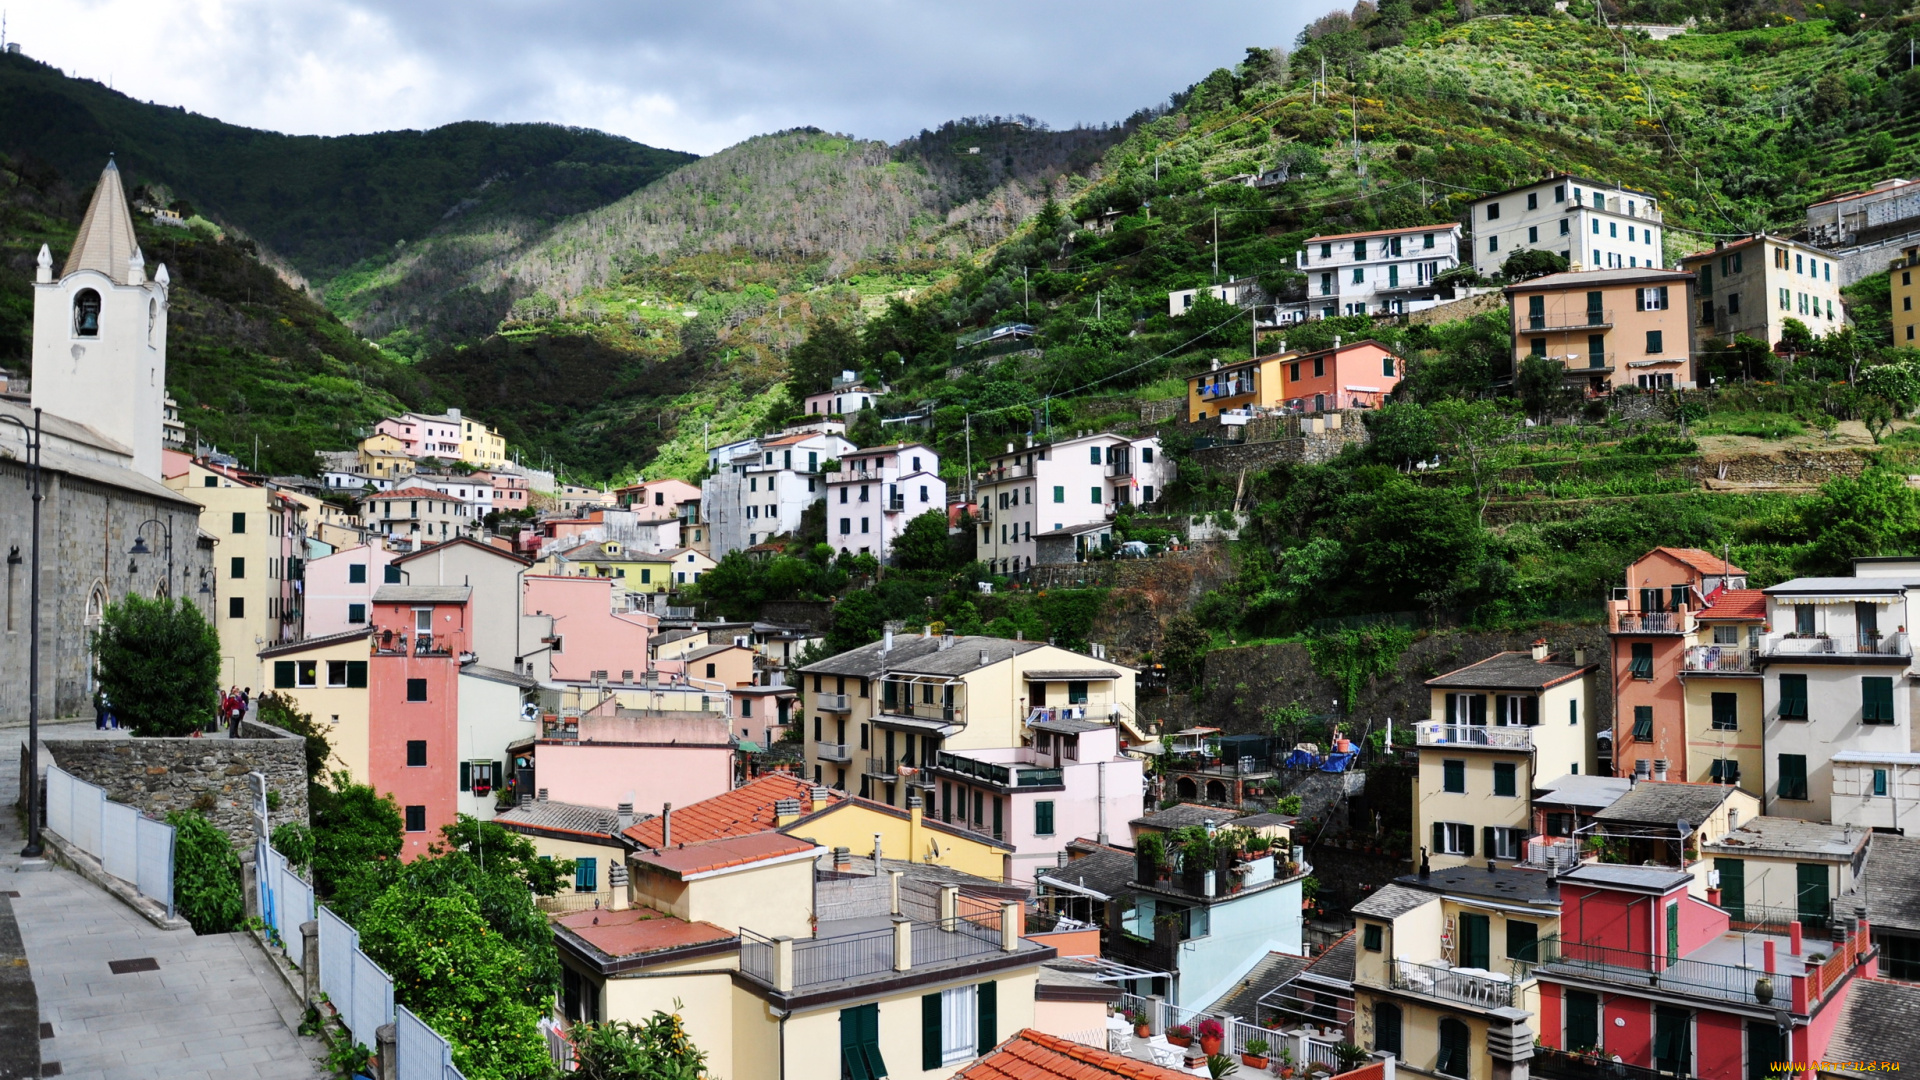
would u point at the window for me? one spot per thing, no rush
(416, 819)
(1786, 300)
(1493, 243)
(1059, 493)
(1642, 665)
(357, 574)
(416, 753)
(1452, 838)
(1096, 495)
(1359, 275)
(586, 875)
(1043, 817)
(1876, 699)
(1533, 232)
(1523, 939)
(1793, 695)
(1793, 776)
(949, 1026)
(1656, 342)
(1386, 1026)
(239, 522)
(1454, 1042)
(1643, 723)
(1386, 366)
(1359, 249)
(1503, 843)
(1370, 937)
(1726, 712)
(1880, 782)
(392, 575)
(1503, 778)
(1453, 774)
(1537, 347)
(236, 607)
(1533, 200)
(1672, 1044)
(1326, 251)
(237, 568)
(416, 689)
(1724, 771)
(1493, 211)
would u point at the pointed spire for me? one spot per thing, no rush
(44, 272)
(105, 242)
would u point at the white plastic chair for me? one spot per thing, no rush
(1120, 1042)
(1168, 1055)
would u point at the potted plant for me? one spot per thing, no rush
(1180, 1035)
(1255, 1054)
(1149, 855)
(1286, 1061)
(1211, 1034)
(1138, 1018)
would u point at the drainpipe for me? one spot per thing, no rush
(1102, 833)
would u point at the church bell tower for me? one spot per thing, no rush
(100, 332)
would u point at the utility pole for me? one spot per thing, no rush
(1026, 295)
(1096, 307)
(1216, 244)
(971, 493)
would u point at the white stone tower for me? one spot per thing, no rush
(100, 332)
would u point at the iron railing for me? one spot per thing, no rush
(1433, 733)
(1626, 967)
(1786, 646)
(1486, 990)
(997, 774)
(833, 703)
(834, 752)
(1552, 1064)
(1716, 659)
(1569, 320)
(838, 959)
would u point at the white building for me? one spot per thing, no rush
(757, 488)
(1236, 292)
(422, 515)
(1038, 489)
(476, 490)
(1836, 702)
(425, 434)
(876, 491)
(1593, 225)
(1383, 272)
(844, 397)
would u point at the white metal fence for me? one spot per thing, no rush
(129, 845)
(1306, 1049)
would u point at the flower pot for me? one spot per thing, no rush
(1180, 1040)
(1141, 1031)
(1286, 1070)
(1253, 1062)
(1210, 1045)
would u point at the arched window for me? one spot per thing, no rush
(1455, 1042)
(1386, 1028)
(153, 319)
(96, 611)
(86, 313)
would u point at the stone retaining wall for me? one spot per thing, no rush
(159, 776)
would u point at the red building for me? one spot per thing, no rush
(1358, 375)
(1644, 979)
(413, 678)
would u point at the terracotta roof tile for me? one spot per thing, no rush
(743, 811)
(638, 930)
(1704, 561)
(1035, 1055)
(1746, 604)
(713, 855)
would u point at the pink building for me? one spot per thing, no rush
(655, 499)
(1073, 782)
(340, 588)
(510, 489)
(423, 435)
(589, 636)
(645, 759)
(413, 700)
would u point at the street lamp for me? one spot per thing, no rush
(33, 850)
(140, 547)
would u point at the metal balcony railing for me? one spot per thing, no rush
(1122, 468)
(1486, 989)
(833, 703)
(885, 768)
(1570, 320)
(1650, 622)
(1721, 659)
(1692, 978)
(1788, 646)
(833, 751)
(1225, 388)
(991, 772)
(1435, 733)
(894, 504)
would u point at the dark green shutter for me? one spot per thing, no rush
(1643, 656)
(1453, 776)
(1386, 1028)
(357, 674)
(1477, 709)
(930, 1051)
(1455, 1042)
(1370, 937)
(1643, 723)
(1583, 1020)
(989, 1009)
(1466, 842)
(1504, 778)
(1793, 697)
(1043, 817)
(1876, 705)
(1487, 840)
(283, 674)
(1530, 711)
(1523, 940)
(1726, 712)
(1475, 941)
(1733, 886)
(1763, 1048)
(466, 776)
(1439, 838)
(1793, 776)
(1812, 881)
(1673, 932)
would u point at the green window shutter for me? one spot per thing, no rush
(1476, 940)
(1876, 705)
(988, 1006)
(1673, 932)
(1504, 773)
(1453, 776)
(930, 1053)
(1477, 709)
(283, 674)
(1813, 901)
(466, 776)
(357, 674)
(1793, 697)
(1726, 712)
(1043, 817)
(1439, 838)
(1466, 842)
(1583, 1020)
(1530, 712)
(1793, 776)
(1643, 723)
(1386, 1028)
(1764, 1047)
(1370, 937)
(1643, 655)
(1523, 940)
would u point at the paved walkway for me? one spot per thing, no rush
(213, 1009)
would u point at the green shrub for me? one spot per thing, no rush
(658, 1049)
(159, 664)
(206, 875)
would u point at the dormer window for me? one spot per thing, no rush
(86, 313)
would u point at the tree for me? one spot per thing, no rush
(506, 854)
(1183, 649)
(922, 545)
(159, 665)
(1542, 384)
(1530, 263)
(206, 875)
(456, 973)
(658, 1049)
(353, 827)
(283, 712)
(1477, 435)
(1402, 433)
(1212, 323)
(1856, 516)
(830, 348)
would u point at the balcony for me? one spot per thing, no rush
(1570, 320)
(835, 752)
(836, 959)
(884, 768)
(894, 504)
(1008, 775)
(1730, 968)
(1721, 660)
(1551, 1064)
(1006, 472)
(929, 712)
(1620, 620)
(1120, 469)
(833, 703)
(1233, 386)
(1467, 986)
(1858, 646)
(1435, 733)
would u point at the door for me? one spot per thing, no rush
(1733, 886)
(1672, 1039)
(1812, 881)
(1475, 939)
(1583, 1020)
(1764, 1048)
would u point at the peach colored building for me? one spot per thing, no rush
(651, 500)
(638, 757)
(1608, 328)
(1354, 376)
(591, 640)
(413, 694)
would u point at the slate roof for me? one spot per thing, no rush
(1035, 1055)
(1876, 1025)
(1583, 790)
(1890, 881)
(1791, 836)
(1336, 964)
(1658, 802)
(705, 651)
(1183, 814)
(1393, 901)
(422, 594)
(1104, 870)
(563, 817)
(1269, 972)
(316, 642)
(923, 656)
(744, 810)
(1515, 670)
(1067, 726)
(1509, 884)
(1656, 878)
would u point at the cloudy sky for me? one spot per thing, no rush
(691, 75)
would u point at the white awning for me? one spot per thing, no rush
(1364, 389)
(1835, 598)
(1649, 363)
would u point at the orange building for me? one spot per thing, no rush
(1609, 328)
(1359, 375)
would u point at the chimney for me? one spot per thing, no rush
(1336, 341)
(886, 641)
(785, 812)
(946, 640)
(842, 860)
(926, 632)
(1660, 769)
(1216, 364)
(1641, 768)
(625, 812)
(543, 794)
(820, 796)
(1426, 867)
(1541, 650)
(666, 826)
(1019, 635)
(617, 883)
(876, 853)
(1060, 858)
(984, 658)
(1492, 867)
(1579, 655)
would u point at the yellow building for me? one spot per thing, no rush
(856, 823)
(384, 457)
(1905, 282)
(688, 563)
(779, 969)
(481, 445)
(1500, 728)
(327, 678)
(254, 527)
(1779, 870)
(1442, 974)
(586, 836)
(1255, 382)
(1721, 677)
(638, 572)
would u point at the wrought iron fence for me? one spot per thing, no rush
(837, 959)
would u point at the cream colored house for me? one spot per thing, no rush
(1778, 870)
(327, 678)
(1751, 287)
(586, 836)
(1500, 729)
